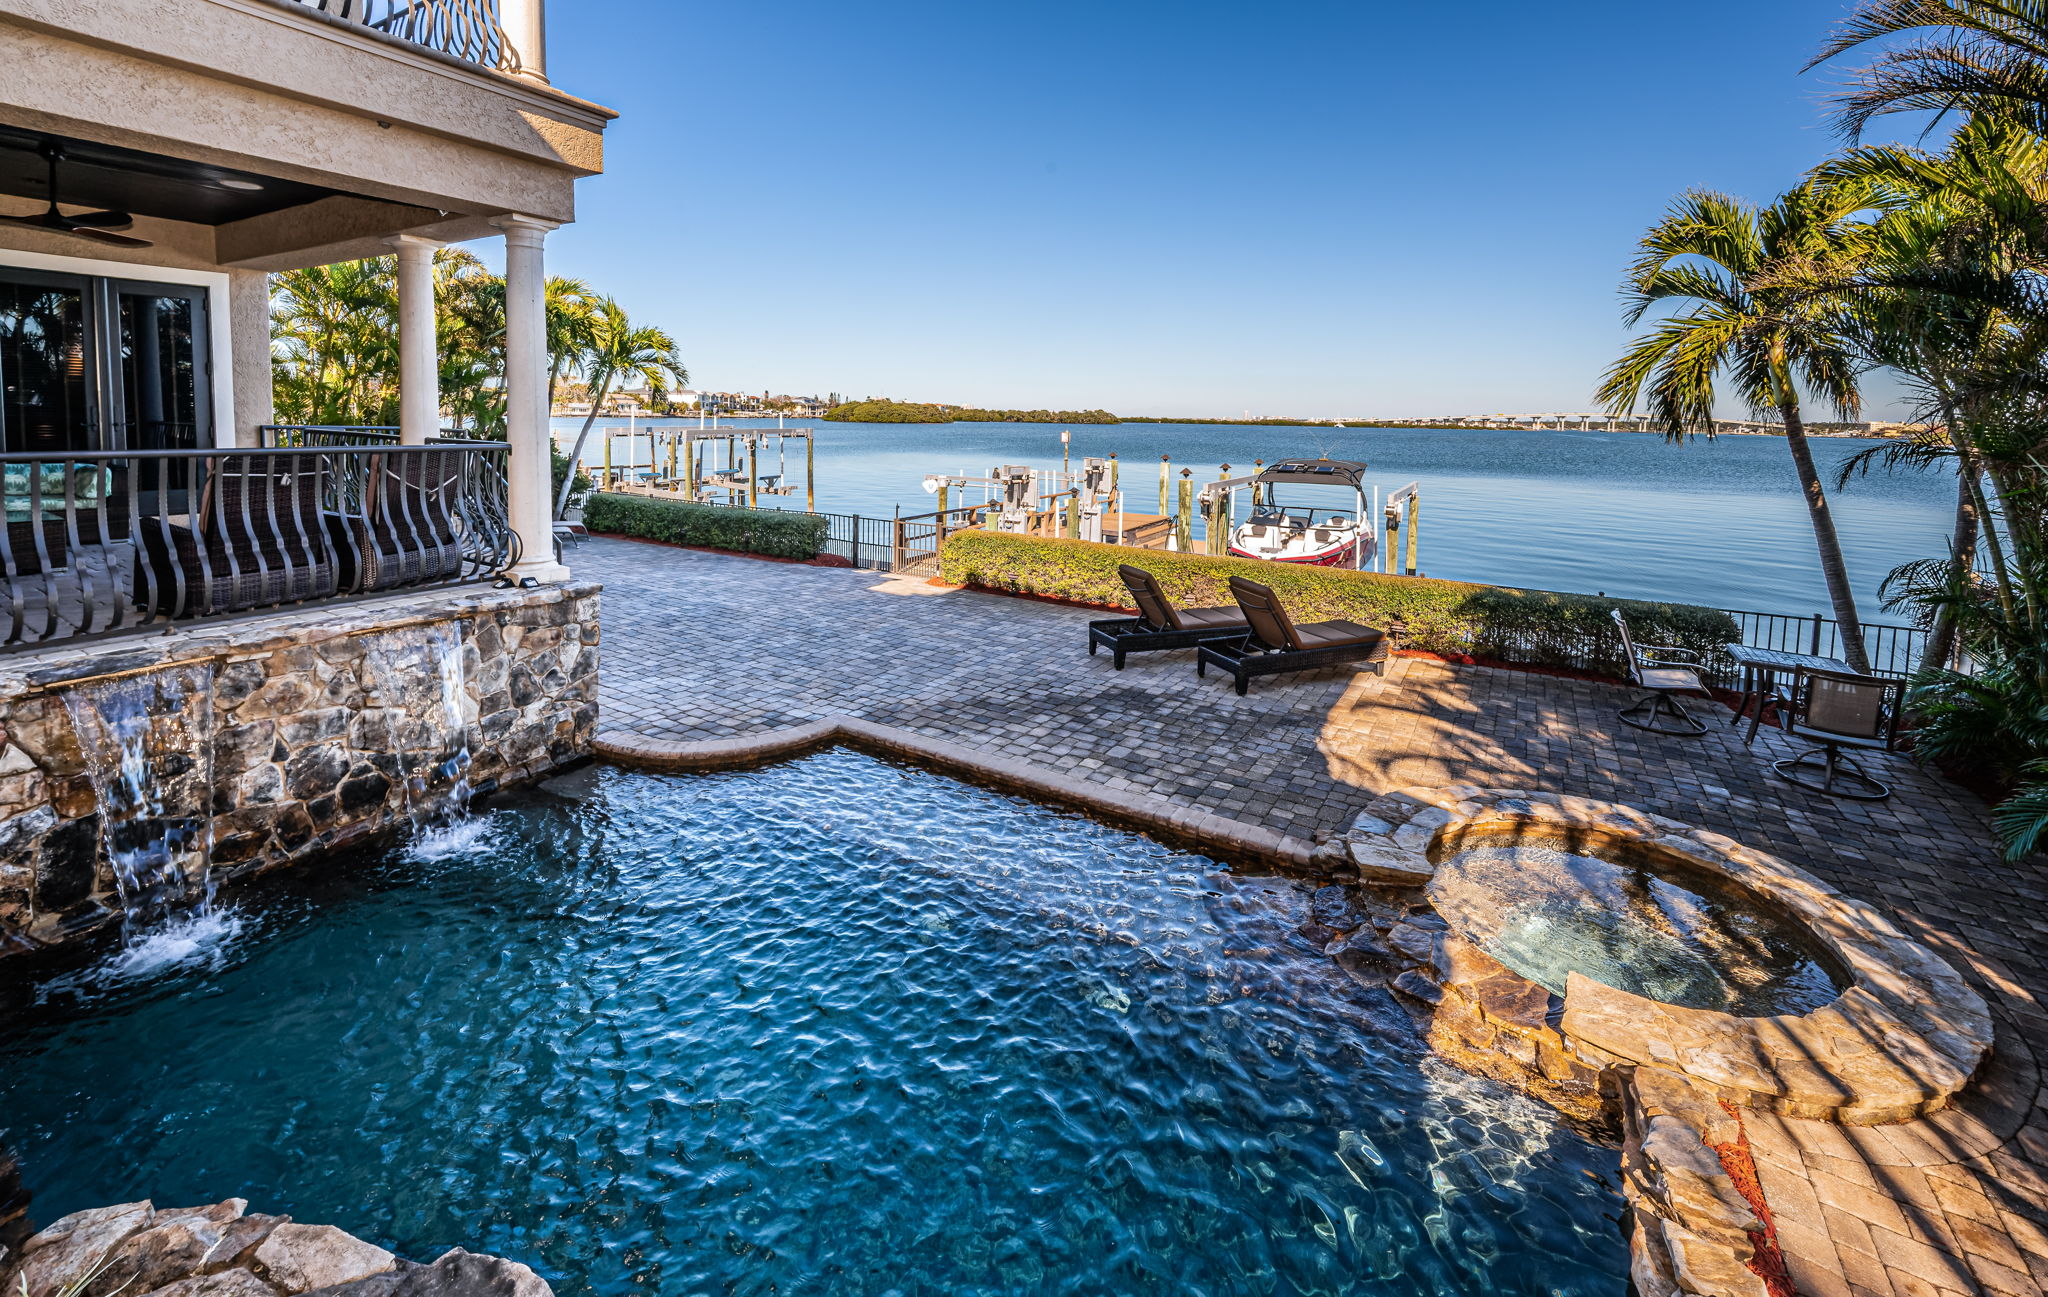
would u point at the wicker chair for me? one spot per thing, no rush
(404, 530)
(1838, 710)
(255, 541)
(1665, 671)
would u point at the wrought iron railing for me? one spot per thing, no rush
(102, 542)
(468, 29)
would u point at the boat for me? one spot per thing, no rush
(1298, 533)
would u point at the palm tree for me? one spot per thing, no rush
(334, 343)
(1947, 296)
(620, 349)
(1988, 57)
(1740, 279)
(572, 309)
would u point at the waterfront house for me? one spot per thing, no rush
(248, 136)
(156, 164)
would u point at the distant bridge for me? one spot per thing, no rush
(1643, 423)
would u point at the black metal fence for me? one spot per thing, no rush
(100, 542)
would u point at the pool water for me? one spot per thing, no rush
(1545, 912)
(832, 1026)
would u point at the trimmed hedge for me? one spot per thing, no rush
(1572, 631)
(749, 531)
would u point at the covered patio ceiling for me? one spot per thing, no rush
(106, 176)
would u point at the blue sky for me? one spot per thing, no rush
(1300, 207)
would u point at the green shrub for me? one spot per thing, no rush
(1452, 617)
(750, 531)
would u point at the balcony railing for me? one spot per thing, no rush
(96, 543)
(468, 29)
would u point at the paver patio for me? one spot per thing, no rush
(701, 646)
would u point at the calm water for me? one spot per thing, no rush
(1716, 522)
(1546, 912)
(829, 1027)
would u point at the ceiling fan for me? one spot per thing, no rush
(99, 226)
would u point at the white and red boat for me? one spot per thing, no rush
(1292, 533)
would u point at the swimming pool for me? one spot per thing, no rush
(828, 1026)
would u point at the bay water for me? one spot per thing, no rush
(1713, 521)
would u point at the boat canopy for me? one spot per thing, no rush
(1315, 472)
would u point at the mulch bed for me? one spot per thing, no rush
(1769, 1262)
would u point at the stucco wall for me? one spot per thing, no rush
(283, 737)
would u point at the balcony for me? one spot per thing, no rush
(96, 544)
(470, 30)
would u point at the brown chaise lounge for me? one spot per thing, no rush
(1159, 625)
(1276, 645)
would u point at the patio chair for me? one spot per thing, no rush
(404, 531)
(1664, 671)
(256, 541)
(1838, 710)
(1159, 625)
(1277, 646)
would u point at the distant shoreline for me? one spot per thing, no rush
(1822, 430)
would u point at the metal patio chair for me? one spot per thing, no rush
(1838, 710)
(1663, 671)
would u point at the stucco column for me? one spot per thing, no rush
(526, 398)
(524, 23)
(419, 342)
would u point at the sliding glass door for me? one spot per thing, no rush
(47, 359)
(89, 364)
(159, 361)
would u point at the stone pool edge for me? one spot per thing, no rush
(1189, 825)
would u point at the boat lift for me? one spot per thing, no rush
(1018, 495)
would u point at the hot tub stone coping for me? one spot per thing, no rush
(1899, 1042)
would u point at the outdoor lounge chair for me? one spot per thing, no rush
(405, 530)
(256, 541)
(1664, 671)
(1838, 710)
(1276, 645)
(1159, 625)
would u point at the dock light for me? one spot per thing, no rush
(932, 484)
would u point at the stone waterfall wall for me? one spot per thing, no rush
(326, 725)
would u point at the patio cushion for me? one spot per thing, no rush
(1335, 634)
(1669, 678)
(1205, 618)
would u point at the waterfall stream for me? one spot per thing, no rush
(148, 745)
(435, 753)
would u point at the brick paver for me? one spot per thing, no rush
(700, 646)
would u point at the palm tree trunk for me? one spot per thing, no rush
(576, 455)
(1832, 569)
(1962, 549)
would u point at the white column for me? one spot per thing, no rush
(419, 342)
(526, 398)
(524, 23)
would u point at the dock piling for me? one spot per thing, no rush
(1216, 522)
(1184, 516)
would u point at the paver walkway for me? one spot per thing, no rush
(700, 646)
